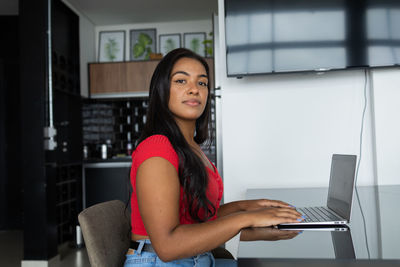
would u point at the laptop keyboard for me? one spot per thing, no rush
(318, 214)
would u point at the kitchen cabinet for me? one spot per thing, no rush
(105, 180)
(126, 77)
(121, 77)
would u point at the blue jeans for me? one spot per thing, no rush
(147, 259)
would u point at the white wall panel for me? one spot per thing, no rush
(281, 130)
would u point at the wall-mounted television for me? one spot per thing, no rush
(278, 36)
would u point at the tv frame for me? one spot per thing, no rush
(316, 70)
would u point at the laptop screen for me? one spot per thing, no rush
(341, 184)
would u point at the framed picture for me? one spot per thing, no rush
(111, 46)
(195, 42)
(168, 42)
(143, 42)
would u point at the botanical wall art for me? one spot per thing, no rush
(168, 42)
(209, 45)
(111, 46)
(142, 43)
(195, 42)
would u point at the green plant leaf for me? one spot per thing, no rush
(169, 45)
(148, 51)
(111, 49)
(195, 45)
(138, 50)
(208, 44)
(144, 39)
(142, 46)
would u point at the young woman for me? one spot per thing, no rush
(176, 214)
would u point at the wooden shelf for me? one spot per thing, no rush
(121, 77)
(126, 77)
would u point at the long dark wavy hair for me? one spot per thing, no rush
(193, 176)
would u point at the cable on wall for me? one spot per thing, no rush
(360, 156)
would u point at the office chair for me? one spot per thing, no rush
(105, 228)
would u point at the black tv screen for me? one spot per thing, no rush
(273, 36)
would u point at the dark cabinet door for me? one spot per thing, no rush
(104, 184)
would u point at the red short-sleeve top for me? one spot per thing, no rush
(160, 146)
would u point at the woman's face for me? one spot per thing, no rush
(188, 89)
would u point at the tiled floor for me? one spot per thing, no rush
(11, 252)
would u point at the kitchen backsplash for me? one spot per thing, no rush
(115, 124)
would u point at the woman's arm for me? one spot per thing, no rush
(230, 208)
(158, 193)
(248, 205)
(267, 233)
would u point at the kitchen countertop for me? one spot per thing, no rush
(116, 162)
(113, 159)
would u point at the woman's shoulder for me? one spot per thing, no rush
(157, 141)
(155, 146)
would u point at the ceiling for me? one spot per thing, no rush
(112, 12)
(106, 12)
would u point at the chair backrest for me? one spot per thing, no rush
(105, 228)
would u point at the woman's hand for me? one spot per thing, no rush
(271, 216)
(249, 205)
(267, 233)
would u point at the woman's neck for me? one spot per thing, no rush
(187, 129)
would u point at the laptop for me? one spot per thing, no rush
(340, 196)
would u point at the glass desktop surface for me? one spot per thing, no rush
(380, 208)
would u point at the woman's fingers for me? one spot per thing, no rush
(272, 203)
(275, 216)
(278, 203)
(287, 212)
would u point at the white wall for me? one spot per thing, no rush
(387, 113)
(281, 130)
(162, 28)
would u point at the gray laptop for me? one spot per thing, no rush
(340, 196)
